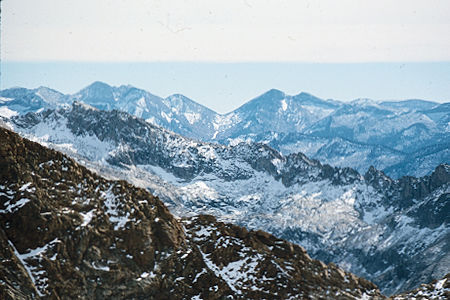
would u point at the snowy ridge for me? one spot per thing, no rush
(439, 289)
(399, 137)
(336, 214)
(88, 237)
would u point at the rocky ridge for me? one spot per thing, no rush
(399, 137)
(67, 233)
(438, 289)
(373, 225)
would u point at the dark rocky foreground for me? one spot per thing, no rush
(67, 233)
(438, 289)
(395, 232)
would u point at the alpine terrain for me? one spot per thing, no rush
(67, 233)
(398, 137)
(393, 232)
(438, 289)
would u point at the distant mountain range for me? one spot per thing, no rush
(399, 137)
(393, 232)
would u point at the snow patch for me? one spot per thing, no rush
(11, 208)
(236, 272)
(192, 117)
(284, 105)
(440, 284)
(25, 187)
(151, 121)
(7, 113)
(112, 209)
(36, 276)
(87, 217)
(165, 116)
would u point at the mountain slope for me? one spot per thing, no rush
(356, 134)
(400, 137)
(438, 289)
(17, 101)
(372, 225)
(276, 112)
(68, 233)
(176, 112)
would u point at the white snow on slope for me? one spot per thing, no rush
(192, 117)
(112, 205)
(87, 217)
(13, 207)
(236, 272)
(55, 134)
(346, 216)
(284, 105)
(7, 113)
(36, 273)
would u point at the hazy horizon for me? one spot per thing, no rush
(224, 87)
(224, 53)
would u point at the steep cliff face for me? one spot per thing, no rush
(74, 234)
(67, 233)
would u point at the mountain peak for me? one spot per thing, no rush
(179, 97)
(176, 95)
(305, 94)
(97, 89)
(268, 98)
(45, 88)
(177, 101)
(97, 94)
(273, 93)
(373, 174)
(364, 102)
(98, 84)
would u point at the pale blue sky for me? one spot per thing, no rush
(230, 31)
(223, 53)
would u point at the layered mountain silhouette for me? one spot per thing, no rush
(393, 232)
(68, 233)
(399, 137)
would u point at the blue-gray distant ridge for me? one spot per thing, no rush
(408, 137)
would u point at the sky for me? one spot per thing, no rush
(223, 53)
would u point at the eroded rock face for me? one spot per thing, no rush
(437, 289)
(257, 265)
(67, 233)
(79, 235)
